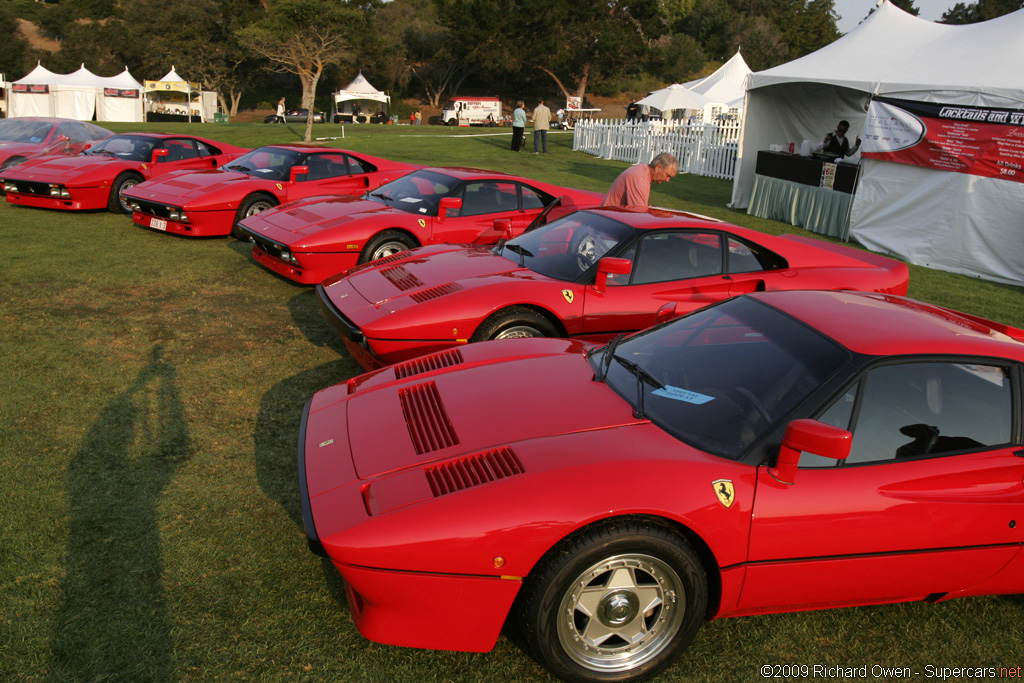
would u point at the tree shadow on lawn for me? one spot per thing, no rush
(112, 621)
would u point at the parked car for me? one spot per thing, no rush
(311, 239)
(211, 202)
(590, 275)
(776, 452)
(96, 178)
(34, 136)
(297, 116)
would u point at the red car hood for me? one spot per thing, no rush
(307, 224)
(459, 410)
(417, 277)
(61, 169)
(195, 188)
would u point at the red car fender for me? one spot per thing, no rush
(454, 533)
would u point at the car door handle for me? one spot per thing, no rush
(1019, 453)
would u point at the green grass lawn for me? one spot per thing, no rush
(150, 394)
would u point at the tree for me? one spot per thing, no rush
(14, 56)
(983, 10)
(907, 6)
(302, 37)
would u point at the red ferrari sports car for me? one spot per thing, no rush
(776, 452)
(590, 275)
(312, 239)
(96, 178)
(211, 202)
(29, 137)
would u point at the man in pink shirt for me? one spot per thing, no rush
(633, 186)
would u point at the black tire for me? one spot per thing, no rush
(385, 244)
(580, 630)
(514, 322)
(116, 203)
(452, 122)
(250, 206)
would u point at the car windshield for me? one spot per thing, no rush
(134, 147)
(272, 163)
(419, 192)
(721, 378)
(567, 248)
(15, 130)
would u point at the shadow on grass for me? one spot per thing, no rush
(112, 622)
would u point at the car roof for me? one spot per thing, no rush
(465, 173)
(883, 324)
(298, 147)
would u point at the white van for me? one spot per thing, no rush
(475, 111)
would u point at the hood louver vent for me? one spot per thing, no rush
(435, 361)
(473, 470)
(436, 292)
(303, 215)
(401, 278)
(426, 418)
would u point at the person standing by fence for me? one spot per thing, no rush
(541, 123)
(518, 126)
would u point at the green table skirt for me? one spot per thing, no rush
(826, 212)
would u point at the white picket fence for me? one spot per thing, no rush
(707, 149)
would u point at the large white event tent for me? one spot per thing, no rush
(80, 95)
(953, 221)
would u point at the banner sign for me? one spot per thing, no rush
(121, 92)
(982, 141)
(24, 87)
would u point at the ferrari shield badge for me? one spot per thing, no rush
(568, 294)
(280, 186)
(725, 492)
(422, 223)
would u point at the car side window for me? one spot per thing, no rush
(665, 256)
(205, 150)
(178, 149)
(356, 166)
(488, 197)
(749, 258)
(533, 199)
(323, 166)
(922, 409)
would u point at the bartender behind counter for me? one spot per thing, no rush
(837, 144)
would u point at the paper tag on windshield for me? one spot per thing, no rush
(677, 394)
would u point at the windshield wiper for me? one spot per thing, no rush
(606, 359)
(642, 377)
(383, 196)
(522, 251)
(238, 167)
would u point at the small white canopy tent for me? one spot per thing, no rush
(950, 221)
(361, 93)
(81, 95)
(174, 95)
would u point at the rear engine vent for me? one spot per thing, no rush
(435, 361)
(425, 416)
(472, 470)
(401, 278)
(436, 292)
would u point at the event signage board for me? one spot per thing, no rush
(982, 141)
